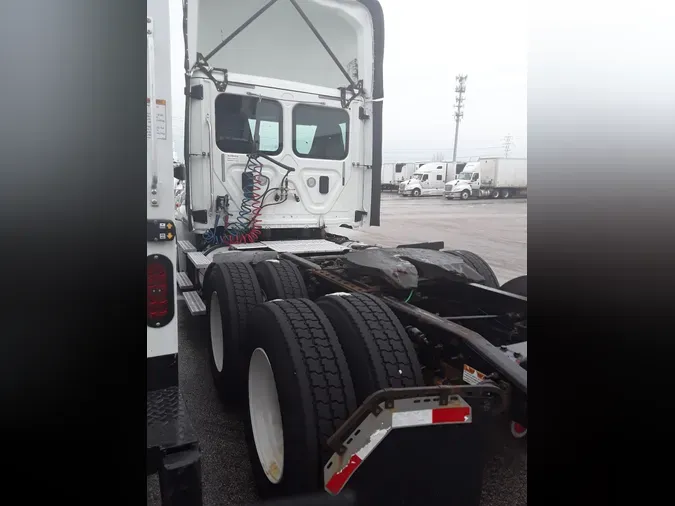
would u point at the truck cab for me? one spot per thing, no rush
(428, 180)
(465, 184)
(274, 147)
(493, 177)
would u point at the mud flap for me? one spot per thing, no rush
(438, 458)
(180, 478)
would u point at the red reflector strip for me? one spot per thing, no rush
(338, 480)
(451, 415)
(157, 297)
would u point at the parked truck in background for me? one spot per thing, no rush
(394, 173)
(429, 179)
(492, 177)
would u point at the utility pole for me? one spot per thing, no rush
(508, 140)
(460, 89)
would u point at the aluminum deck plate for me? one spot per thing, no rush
(254, 245)
(199, 260)
(186, 246)
(305, 246)
(194, 303)
(183, 281)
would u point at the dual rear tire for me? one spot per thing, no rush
(305, 366)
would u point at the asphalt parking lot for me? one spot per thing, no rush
(494, 229)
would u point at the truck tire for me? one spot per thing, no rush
(479, 265)
(495, 194)
(465, 195)
(506, 193)
(378, 349)
(416, 192)
(300, 391)
(231, 291)
(280, 279)
(516, 285)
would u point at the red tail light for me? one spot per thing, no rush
(160, 291)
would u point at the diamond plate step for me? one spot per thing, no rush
(195, 303)
(199, 260)
(305, 246)
(186, 246)
(168, 425)
(184, 282)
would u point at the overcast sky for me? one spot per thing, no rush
(427, 43)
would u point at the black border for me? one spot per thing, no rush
(72, 372)
(73, 181)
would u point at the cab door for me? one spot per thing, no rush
(425, 184)
(475, 183)
(438, 181)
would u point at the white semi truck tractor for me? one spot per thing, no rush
(350, 364)
(489, 177)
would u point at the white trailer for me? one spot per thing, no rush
(492, 177)
(394, 173)
(283, 138)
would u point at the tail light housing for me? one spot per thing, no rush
(160, 291)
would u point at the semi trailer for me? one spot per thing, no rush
(394, 173)
(351, 363)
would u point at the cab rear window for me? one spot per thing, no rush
(237, 118)
(320, 132)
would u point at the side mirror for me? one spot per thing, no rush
(179, 172)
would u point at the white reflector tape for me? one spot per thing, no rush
(411, 418)
(372, 431)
